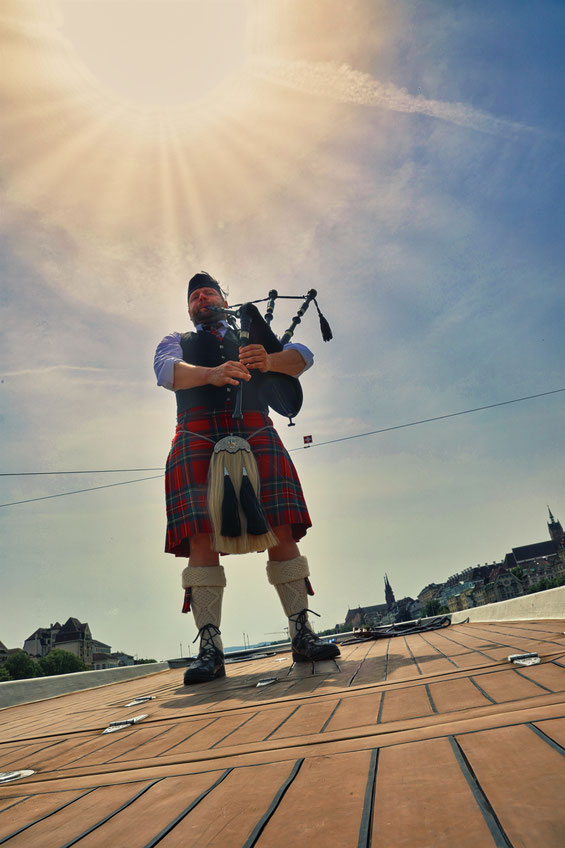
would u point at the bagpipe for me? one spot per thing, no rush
(238, 519)
(281, 392)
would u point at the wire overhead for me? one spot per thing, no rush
(292, 450)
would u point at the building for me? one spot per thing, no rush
(389, 594)
(72, 636)
(428, 593)
(390, 612)
(41, 641)
(101, 660)
(555, 529)
(100, 647)
(123, 658)
(75, 637)
(365, 616)
(521, 569)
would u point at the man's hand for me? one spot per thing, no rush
(255, 356)
(284, 362)
(228, 374)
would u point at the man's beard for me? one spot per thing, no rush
(205, 315)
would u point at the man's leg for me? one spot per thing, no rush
(288, 572)
(205, 578)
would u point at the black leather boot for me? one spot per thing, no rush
(306, 646)
(209, 664)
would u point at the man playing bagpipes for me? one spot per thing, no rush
(230, 484)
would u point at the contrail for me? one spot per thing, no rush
(47, 368)
(346, 85)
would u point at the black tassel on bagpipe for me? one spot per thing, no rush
(327, 334)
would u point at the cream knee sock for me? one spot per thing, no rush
(288, 578)
(207, 588)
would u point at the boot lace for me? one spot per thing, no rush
(303, 633)
(206, 635)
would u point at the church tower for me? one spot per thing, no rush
(389, 594)
(554, 527)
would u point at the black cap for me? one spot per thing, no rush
(203, 280)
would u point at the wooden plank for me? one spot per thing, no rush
(165, 739)
(401, 665)
(259, 727)
(372, 670)
(323, 805)
(523, 638)
(405, 703)
(456, 695)
(523, 779)
(429, 656)
(143, 820)
(355, 712)
(58, 753)
(423, 799)
(468, 659)
(445, 643)
(506, 685)
(54, 831)
(10, 802)
(308, 719)
(554, 728)
(12, 758)
(104, 748)
(226, 817)
(210, 735)
(548, 674)
(485, 650)
(33, 807)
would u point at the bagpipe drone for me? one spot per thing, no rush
(281, 392)
(238, 519)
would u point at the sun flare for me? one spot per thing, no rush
(157, 54)
(144, 122)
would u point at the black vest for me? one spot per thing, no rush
(208, 350)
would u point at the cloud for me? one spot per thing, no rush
(346, 85)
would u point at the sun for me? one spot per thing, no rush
(157, 53)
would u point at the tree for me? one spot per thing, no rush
(21, 666)
(61, 662)
(434, 607)
(143, 661)
(4, 674)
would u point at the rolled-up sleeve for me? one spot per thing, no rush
(168, 352)
(305, 353)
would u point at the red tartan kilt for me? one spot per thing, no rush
(186, 477)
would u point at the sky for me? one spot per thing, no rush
(403, 158)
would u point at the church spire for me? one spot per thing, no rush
(554, 527)
(389, 594)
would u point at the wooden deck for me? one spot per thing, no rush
(424, 740)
